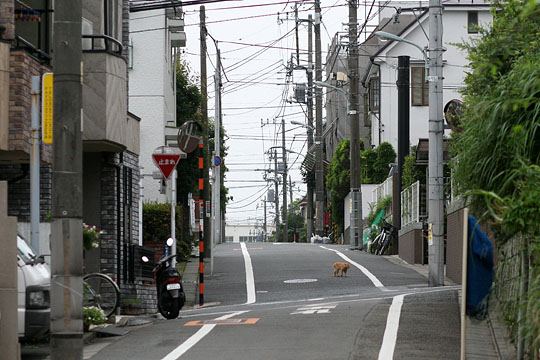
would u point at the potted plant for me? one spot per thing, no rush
(93, 315)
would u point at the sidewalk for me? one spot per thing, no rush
(487, 339)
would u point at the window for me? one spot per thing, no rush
(374, 94)
(472, 22)
(419, 87)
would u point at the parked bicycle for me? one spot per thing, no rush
(101, 291)
(381, 243)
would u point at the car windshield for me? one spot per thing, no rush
(25, 252)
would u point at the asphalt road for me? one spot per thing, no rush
(302, 312)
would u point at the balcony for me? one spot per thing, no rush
(107, 127)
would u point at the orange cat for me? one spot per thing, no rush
(340, 268)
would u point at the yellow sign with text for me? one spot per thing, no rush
(47, 93)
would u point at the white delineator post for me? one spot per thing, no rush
(34, 164)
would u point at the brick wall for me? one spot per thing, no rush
(22, 68)
(119, 220)
(7, 18)
(18, 177)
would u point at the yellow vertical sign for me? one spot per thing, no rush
(47, 93)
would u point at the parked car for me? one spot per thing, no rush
(33, 288)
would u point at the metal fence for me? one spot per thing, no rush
(410, 204)
(382, 190)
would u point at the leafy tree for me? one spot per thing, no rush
(296, 221)
(411, 172)
(338, 182)
(367, 163)
(374, 163)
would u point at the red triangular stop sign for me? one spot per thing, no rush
(166, 163)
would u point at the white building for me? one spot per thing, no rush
(246, 232)
(155, 37)
(460, 24)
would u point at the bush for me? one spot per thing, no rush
(157, 227)
(93, 315)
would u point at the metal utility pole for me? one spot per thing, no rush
(173, 215)
(204, 120)
(290, 191)
(354, 119)
(284, 177)
(265, 238)
(216, 189)
(276, 195)
(34, 164)
(319, 169)
(403, 129)
(436, 129)
(309, 207)
(66, 230)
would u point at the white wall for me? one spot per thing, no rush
(151, 91)
(244, 230)
(455, 62)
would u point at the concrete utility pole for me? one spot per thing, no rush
(173, 215)
(67, 199)
(204, 120)
(276, 195)
(216, 189)
(284, 177)
(309, 207)
(436, 131)
(354, 119)
(403, 130)
(319, 169)
(34, 164)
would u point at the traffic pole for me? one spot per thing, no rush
(201, 223)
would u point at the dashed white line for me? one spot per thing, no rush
(392, 325)
(250, 280)
(366, 272)
(195, 338)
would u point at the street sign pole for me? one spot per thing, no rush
(166, 158)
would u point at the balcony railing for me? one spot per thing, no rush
(21, 43)
(102, 43)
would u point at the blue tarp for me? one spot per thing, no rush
(479, 269)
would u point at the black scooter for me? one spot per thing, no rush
(170, 293)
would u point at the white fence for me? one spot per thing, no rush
(382, 190)
(410, 204)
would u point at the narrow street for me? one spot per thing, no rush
(301, 311)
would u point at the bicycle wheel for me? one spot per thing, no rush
(101, 291)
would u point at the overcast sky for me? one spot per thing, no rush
(255, 89)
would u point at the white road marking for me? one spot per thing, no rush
(250, 280)
(314, 309)
(392, 325)
(195, 338)
(366, 272)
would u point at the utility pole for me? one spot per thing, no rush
(265, 238)
(34, 164)
(276, 195)
(354, 119)
(296, 33)
(290, 191)
(284, 177)
(403, 130)
(216, 189)
(204, 120)
(173, 215)
(309, 207)
(319, 169)
(435, 161)
(66, 230)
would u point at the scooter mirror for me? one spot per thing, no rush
(170, 241)
(145, 259)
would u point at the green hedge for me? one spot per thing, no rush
(157, 226)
